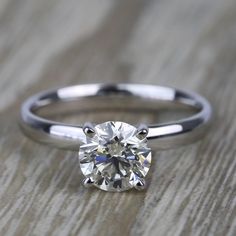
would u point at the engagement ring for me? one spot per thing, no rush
(114, 155)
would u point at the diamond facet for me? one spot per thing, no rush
(115, 158)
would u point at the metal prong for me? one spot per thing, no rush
(140, 184)
(88, 182)
(89, 130)
(142, 131)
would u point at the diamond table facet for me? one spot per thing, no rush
(115, 158)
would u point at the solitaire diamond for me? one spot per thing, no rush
(115, 156)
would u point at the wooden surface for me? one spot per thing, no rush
(184, 43)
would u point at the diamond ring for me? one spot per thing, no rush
(114, 155)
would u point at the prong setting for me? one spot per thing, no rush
(89, 130)
(140, 184)
(142, 131)
(88, 182)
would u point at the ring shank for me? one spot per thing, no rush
(70, 137)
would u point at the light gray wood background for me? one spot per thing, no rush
(185, 43)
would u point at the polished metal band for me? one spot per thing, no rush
(70, 137)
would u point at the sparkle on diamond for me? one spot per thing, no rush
(115, 158)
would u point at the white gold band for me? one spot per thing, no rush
(69, 136)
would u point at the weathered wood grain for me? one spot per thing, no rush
(183, 43)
